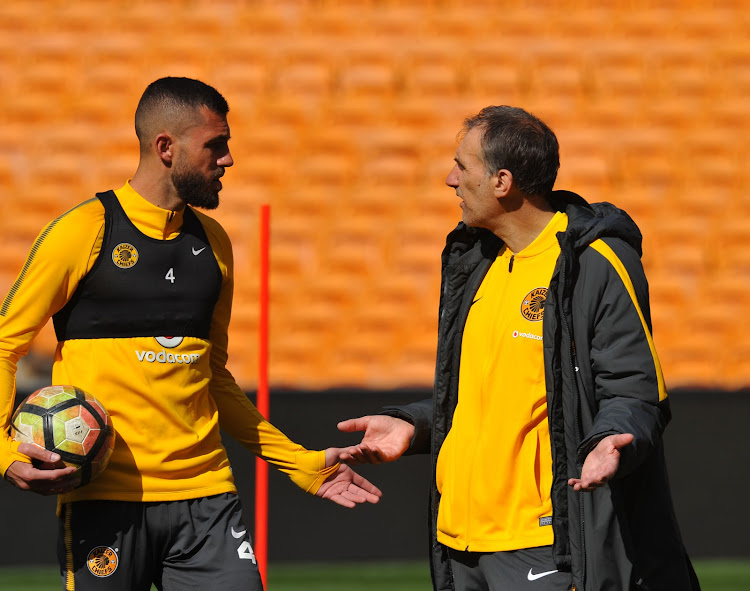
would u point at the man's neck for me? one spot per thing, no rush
(520, 227)
(156, 191)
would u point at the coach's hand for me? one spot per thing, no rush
(48, 475)
(345, 487)
(386, 439)
(602, 462)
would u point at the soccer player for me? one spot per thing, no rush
(139, 285)
(549, 404)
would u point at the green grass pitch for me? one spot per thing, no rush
(715, 575)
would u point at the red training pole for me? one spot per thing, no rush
(263, 402)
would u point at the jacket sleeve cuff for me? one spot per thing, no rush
(421, 440)
(588, 444)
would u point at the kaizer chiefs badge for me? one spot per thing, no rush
(532, 307)
(124, 255)
(102, 561)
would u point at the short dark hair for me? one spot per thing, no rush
(173, 95)
(518, 141)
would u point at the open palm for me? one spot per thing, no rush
(345, 487)
(385, 440)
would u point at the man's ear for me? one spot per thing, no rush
(164, 148)
(503, 182)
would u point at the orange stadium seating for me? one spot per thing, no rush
(344, 119)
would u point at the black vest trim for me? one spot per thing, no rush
(140, 286)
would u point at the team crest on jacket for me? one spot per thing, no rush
(124, 255)
(532, 307)
(102, 561)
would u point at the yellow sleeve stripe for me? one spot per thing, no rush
(603, 248)
(30, 259)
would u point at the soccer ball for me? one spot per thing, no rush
(70, 422)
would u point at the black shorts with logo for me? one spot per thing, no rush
(530, 569)
(185, 545)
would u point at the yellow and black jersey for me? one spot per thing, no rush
(141, 299)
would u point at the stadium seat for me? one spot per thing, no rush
(556, 69)
(346, 258)
(267, 22)
(356, 115)
(589, 176)
(579, 20)
(686, 260)
(725, 301)
(495, 74)
(305, 70)
(325, 170)
(308, 80)
(344, 117)
(289, 258)
(433, 70)
(466, 21)
(366, 70)
(260, 170)
(737, 261)
(397, 171)
(97, 111)
(611, 113)
(246, 78)
(687, 342)
(678, 71)
(651, 23)
(703, 22)
(413, 364)
(336, 21)
(419, 116)
(618, 73)
(735, 370)
(686, 367)
(733, 62)
(293, 357)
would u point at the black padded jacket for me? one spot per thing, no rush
(602, 377)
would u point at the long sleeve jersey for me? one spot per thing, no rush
(167, 395)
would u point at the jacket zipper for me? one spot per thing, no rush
(510, 263)
(572, 361)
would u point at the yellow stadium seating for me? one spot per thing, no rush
(344, 118)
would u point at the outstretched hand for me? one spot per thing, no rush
(386, 438)
(48, 475)
(345, 487)
(601, 463)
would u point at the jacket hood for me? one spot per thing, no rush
(590, 221)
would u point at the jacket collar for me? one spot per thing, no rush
(586, 222)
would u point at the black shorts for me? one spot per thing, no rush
(194, 544)
(530, 569)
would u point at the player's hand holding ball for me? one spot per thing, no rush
(68, 435)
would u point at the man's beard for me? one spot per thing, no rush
(194, 189)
